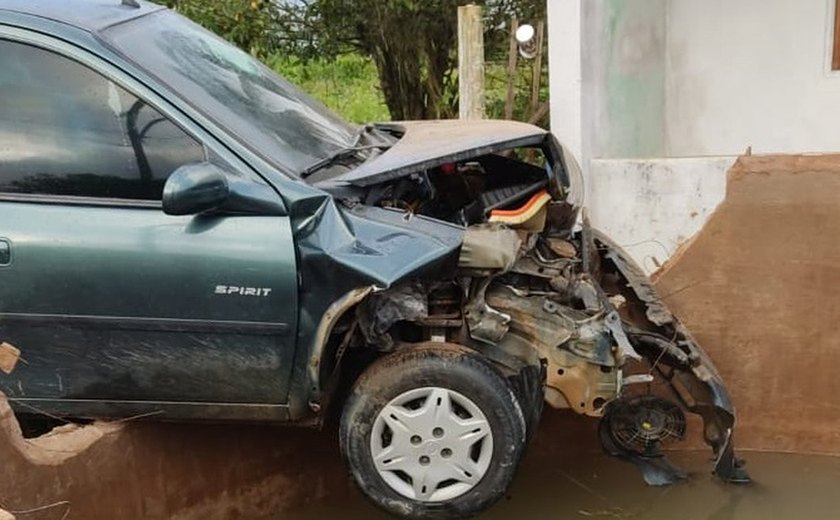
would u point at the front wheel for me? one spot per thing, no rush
(433, 432)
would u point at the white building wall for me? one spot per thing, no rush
(565, 27)
(670, 91)
(751, 73)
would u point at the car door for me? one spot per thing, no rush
(116, 307)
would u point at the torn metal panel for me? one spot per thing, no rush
(426, 144)
(342, 249)
(485, 323)
(405, 302)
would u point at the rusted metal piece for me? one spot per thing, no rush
(325, 327)
(581, 372)
(581, 386)
(486, 324)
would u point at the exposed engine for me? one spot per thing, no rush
(534, 285)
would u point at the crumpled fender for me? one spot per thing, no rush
(687, 367)
(345, 252)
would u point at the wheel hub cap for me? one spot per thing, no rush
(431, 444)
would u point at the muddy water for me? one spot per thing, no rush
(591, 485)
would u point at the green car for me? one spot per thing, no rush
(185, 235)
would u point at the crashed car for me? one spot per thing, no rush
(186, 236)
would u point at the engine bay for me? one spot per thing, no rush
(535, 286)
(462, 193)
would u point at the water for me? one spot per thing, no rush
(591, 485)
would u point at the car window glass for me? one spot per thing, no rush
(271, 115)
(67, 130)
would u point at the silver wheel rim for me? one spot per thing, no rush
(431, 444)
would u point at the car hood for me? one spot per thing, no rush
(426, 144)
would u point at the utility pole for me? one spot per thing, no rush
(470, 62)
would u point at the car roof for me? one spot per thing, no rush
(88, 15)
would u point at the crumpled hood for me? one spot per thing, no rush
(426, 144)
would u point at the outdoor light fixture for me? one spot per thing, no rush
(525, 36)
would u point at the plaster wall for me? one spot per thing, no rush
(750, 73)
(669, 91)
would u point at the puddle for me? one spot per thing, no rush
(595, 486)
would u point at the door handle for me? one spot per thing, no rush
(5, 252)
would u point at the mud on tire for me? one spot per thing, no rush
(411, 388)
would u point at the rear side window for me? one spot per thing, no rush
(67, 130)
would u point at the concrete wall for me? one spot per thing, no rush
(682, 78)
(652, 207)
(623, 45)
(750, 73)
(149, 471)
(701, 81)
(757, 287)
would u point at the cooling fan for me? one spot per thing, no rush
(642, 425)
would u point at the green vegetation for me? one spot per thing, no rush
(373, 60)
(349, 84)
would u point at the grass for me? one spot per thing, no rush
(349, 85)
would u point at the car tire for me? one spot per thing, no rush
(433, 431)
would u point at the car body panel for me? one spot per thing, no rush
(121, 304)
(343, 249)
(426, 144)
(90, 16)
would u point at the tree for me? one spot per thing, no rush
(412, 42)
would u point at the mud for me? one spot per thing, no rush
(161, 471)
(758, 289)
(581, 484)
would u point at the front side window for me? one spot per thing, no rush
(67, 130)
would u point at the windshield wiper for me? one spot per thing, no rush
(344, 152)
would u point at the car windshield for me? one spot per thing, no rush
(264, 111)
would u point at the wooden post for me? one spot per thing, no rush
(536, 79)
(513, 55)
(470, 62)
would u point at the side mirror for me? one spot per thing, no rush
(195, 188)
(204, 187)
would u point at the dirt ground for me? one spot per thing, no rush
(757, 287)
(253, 472)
